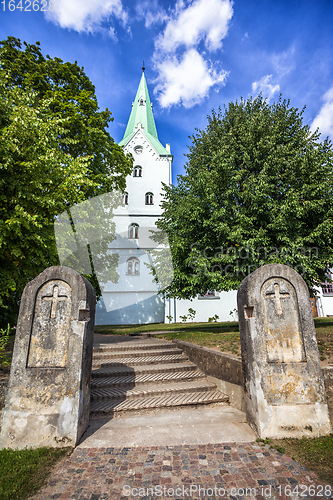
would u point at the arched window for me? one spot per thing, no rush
(133, 231)
(149, 199)
(125, 198)
(141, 101)
(137, 171)
(133, 266)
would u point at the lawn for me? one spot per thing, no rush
(23, 472)
(220, 336)
(316, 454)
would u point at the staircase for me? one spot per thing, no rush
(132, 373)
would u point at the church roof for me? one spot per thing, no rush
(142, 113)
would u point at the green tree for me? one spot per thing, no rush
(73, 97)
(258, 189)
(55, 152)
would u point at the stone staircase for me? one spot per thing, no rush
(132, 373)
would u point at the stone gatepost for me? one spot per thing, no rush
(284, 388)
(48, 395)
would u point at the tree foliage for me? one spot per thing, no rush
(73, 97)
(55, 152)
(258, 189)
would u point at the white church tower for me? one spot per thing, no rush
(134, 299)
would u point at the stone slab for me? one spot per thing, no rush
(284, 389)
(48, 396)
(170, 427)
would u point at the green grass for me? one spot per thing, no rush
(324, 331)
(316, 454)
(224, 340)
(23, 472)
(221, 336)
(155, 327)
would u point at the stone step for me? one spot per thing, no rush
(130, 375)
(103, 408)
(145, 378)
(153, 334)
(132, 346)
(118, 371)
(148, 390)
(136, 354)
(146, 360)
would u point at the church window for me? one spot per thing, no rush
(137, 171)
(133, 231)
(210, 294)
(138, 150)
(125, 198)
(149, 199)
(133, 266)
(327, 287)
(141, 102)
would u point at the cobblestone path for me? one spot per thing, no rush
(213, 471)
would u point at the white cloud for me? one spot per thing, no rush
(265, 87)
(324, 119)
(186, 81)
(185, 73)
(150, 12)
(206, 20)
(87, 15)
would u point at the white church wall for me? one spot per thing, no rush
(324, 303)
(134, 299)
(129, 308)
(327, 305)
(155, 170)
(127, 282)
(222, 304)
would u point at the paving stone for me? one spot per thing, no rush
(95, 483)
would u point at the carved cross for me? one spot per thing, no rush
(55, 298)
(278, 296)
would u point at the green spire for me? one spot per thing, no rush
(142, 113)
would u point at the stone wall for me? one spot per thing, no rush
(225, 370)
(328, 379)
(227, 373)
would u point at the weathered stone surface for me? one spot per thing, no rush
(283, 385)
(224, 370)
(48, 396)
(3, 391)
(328, 379)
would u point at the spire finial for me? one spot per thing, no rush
(143, 66)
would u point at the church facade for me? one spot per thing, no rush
(135, 299)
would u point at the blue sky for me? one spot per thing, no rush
(199, 55)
